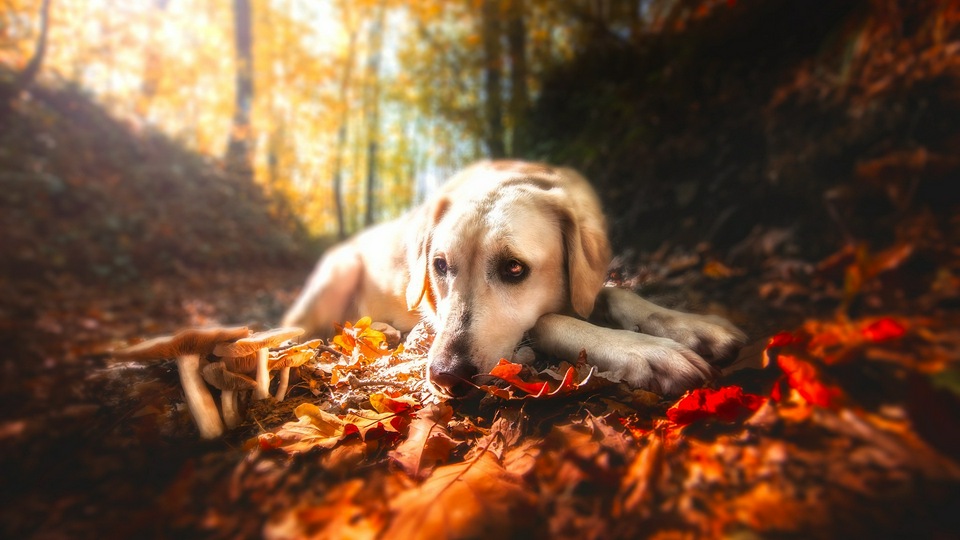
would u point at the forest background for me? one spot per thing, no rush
(697, 118)
(170, 163)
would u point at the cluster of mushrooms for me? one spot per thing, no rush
(240, 354)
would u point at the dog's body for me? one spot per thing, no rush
(506, 248)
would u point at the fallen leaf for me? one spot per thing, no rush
(883, 329)
(338, 515)
(474, 499)
(802, 376)
(400, 404)
(428, 443)
(727, 404)
(510, 373)
(370, 343)
(314, 428)
(371, 424)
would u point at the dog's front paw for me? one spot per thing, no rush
(657, 364)
(713, 338)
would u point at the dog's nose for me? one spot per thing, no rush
(455, 380)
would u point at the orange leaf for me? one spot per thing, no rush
(428, 443)
(384, 403)
(368, 342)
(474, 499)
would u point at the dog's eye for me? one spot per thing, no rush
(513, 271)
(440, 265)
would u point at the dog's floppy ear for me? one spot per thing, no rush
(418, 252)
(588, 254)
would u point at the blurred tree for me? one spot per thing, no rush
(372, 106)
(492, 71)
(344, 96)
(239, 157)
(26, 77)
(519, 85)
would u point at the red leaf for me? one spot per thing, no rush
(728, 404)
(883, 330)
(782, 339)
(802, 376)
(510, 372)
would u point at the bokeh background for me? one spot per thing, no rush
(167, 163)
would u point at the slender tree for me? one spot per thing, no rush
(519, 89)
(492, 73)
(345, 78)
(29, 73)
(372, 106)
(240, 148)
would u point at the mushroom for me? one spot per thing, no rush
(259, 343)
(229, 383)
(292, 357)
(188, 347)
(241, 364)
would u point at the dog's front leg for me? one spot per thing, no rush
(654, 363)
(713, 338)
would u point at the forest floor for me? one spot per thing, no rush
(841, 417)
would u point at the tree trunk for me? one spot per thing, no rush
(492, 55)
(342, 136)
(29, 73)
(373, 109)
(519, 89)
(240, 148)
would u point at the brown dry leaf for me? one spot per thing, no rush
(428, 443)
(642, 480)
(338, 516)
(474, 499)
(314, 428)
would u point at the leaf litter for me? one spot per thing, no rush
(779, 451)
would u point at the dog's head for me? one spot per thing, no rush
(502, 247)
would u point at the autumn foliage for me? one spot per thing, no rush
(789, 166)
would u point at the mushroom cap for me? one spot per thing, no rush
(187, 341)
(260, 340)
(217, 375)
(291, 359)
(241, 364)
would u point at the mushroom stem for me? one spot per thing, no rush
(228, 402)
(263, 374)
(284, 382)
(199, 401)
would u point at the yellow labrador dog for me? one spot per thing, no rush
(504, 250)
